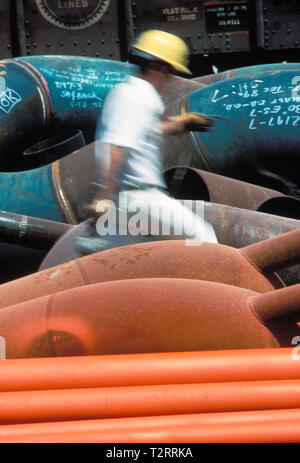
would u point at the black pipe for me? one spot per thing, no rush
(30, 231)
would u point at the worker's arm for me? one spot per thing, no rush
(169, 127)
(186, 122)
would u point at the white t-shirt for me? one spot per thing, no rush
(130, 119)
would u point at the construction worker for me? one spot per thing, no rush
(131, 132)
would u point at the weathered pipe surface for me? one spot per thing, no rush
(239, 228)
(261, 130)
(160, 259)
(234, 227)
(275, 253)
(247, 426)
(153, 315)
(191, 183)
(146, 369)
(30, 231)
(141, 315)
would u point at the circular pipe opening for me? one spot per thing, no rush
(284, 206)
(185, 183)
(53, 148)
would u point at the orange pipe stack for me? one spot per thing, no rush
(217, 396)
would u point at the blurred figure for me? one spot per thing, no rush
(129, 156)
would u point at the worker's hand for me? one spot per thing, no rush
(192, 122)
(99, 206)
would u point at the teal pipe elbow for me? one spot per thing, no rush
(44, 95)
(31, 193)
(257, 125)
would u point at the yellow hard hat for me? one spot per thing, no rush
(166, 47)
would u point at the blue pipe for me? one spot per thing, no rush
(67, 92)
(258, 128)
(31, 193)
(41, 95)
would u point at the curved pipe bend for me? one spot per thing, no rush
(150, 315)
(256, 135)
(161, 259)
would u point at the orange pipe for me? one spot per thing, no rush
(135, 316)
(72, 404)
(284, 432)
(147, 369)
(160, 259)
(65, 430)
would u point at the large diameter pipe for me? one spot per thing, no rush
(146, 369)
(159, 259)
(30, 231)
(165, 315)
(134, 401)
(239, 228)
(234, 227)
(22, 88)
(93, 430)
(191, 183)
(248, 267)
(255, 126)
(58, 93)
(52, 192)
(246, 71)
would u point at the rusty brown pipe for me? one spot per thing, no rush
(135, 316)
(235, 227)
(275, 253)
(160, 259)
(190, 183)
(281, 307)
(246, 267)
(150, 315)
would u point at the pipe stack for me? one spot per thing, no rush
(215, 396)
(157, 341)
(252, 267)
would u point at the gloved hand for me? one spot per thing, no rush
(99, 206)
(193, 121)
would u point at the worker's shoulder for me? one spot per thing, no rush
(135, 91)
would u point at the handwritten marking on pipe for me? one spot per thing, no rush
(2, 348)
(295, 351)
(8, 97)
(279, 103)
